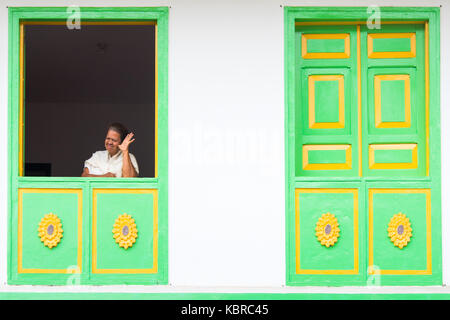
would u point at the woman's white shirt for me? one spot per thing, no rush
(101, 163)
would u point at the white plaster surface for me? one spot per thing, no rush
(226, 150)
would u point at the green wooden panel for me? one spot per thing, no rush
(341, 263)
(386, 255)
(393, 156)
(326, 94)
(391, 45)
(393, 101)
(325, 45)
(109, 254)
(419, 261)
(326, 156)
(314, 255)
(35, 254)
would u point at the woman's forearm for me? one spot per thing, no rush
(127, 167)
(87, 174)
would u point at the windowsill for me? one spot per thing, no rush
(87, 179)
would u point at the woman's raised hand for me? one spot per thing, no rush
(126, 142)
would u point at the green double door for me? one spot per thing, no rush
(366, 204)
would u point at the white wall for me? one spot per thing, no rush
(226, 150)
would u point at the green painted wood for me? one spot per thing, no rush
(16, 14)
(35, 253)
(391, 45)
(296, 134)
(326, 96)
(393, 101)
(328, 45)
(314, 255)
(218, 296)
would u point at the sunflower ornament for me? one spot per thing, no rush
(399, 230)
(125, 231)
(50, 230)
(327, 229)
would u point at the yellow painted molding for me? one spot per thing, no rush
(427, 98)
(395, 54)
(327, 166)
(21, 192)
(156, 101)
(326, 55)
(298, 269)
(377, 96)
(390, 166)
(95, 193)
(358, 62)
(428, 269)
(21, 102)
(312, 106)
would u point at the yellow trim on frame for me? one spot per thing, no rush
(358, 62)
(394, 146)
(394, 54)
(154, 268)
(377, 93)
(326, 55)
(21, 103)
(327, 166)
(312, 107)
(156, 101)
(427, 98)
(428, 270)
(355, 269)
(20, 268)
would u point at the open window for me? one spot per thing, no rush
(66, 86)
(76, 83)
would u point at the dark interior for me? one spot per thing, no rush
(77, 82)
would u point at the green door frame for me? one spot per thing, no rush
(159, 15)
(354, 16)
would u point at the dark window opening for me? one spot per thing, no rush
(77, 82)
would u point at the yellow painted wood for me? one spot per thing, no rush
(427, 97)
(358, 63)
(377, 88)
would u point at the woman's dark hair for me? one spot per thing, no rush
(120, 129)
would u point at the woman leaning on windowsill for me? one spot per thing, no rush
(116, 160)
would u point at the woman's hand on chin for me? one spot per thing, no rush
(126, 142)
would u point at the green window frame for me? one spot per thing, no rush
(87, 194)
(359, 196)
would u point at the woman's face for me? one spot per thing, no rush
(112, 142)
